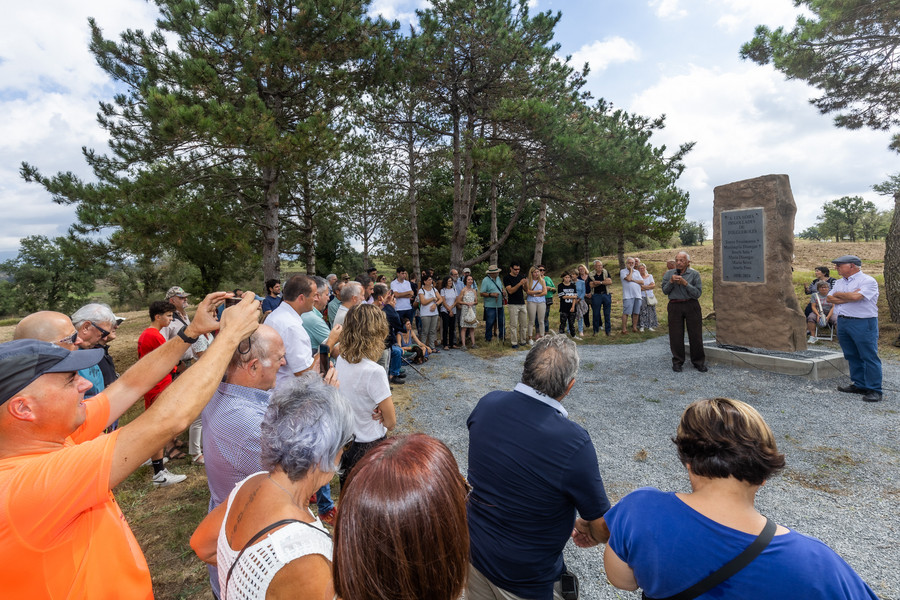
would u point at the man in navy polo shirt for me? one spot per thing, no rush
(523, 448)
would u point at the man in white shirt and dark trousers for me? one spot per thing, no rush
(855, 299)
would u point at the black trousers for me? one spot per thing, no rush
(567, 317)
(448, 329)
(680, 314)
(352, 456)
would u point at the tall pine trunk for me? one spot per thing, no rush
(541, 232)
(270, 253)
(495, 253)
(411, 198)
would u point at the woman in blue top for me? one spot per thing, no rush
(667, 542)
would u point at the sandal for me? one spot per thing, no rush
(447, 348)
(175, 453)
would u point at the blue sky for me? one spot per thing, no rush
(653, 57)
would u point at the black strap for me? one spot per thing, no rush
(728, 569)
(259, 534)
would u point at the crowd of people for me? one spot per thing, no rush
(280, 411)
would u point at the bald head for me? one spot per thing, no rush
(47, 326)
(257, 359)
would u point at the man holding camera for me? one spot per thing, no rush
(683, 287)
(516, 547)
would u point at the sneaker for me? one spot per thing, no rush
(329, 516)
(164, 478)
(531, 342)
(580, 339)
(149, 461)
(514, 346)
(812, 339)
(641, 330)
(652, 329)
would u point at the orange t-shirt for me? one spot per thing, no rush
(62, 534)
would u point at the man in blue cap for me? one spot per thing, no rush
(855, 299)
(62, 534)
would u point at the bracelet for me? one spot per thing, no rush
(185, 337)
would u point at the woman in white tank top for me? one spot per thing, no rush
(264, 539)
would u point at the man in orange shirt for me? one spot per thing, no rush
(62, 535)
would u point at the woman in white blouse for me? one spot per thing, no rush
(536, 302)
(448, 313)
(429, 301)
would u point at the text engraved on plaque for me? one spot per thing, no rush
(743, 245)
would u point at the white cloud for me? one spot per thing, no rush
(400, 10)
(737, 13)
(668, 9)
(603, 53)
(750, 122)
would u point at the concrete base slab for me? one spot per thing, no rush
(813, 363)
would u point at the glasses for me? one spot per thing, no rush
(69, 339)
(104, 333)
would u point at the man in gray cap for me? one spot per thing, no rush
(855, 299)
(62, 533)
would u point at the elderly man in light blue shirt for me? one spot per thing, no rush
(855, 299)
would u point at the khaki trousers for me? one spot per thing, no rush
(517, 328)
(479, 587)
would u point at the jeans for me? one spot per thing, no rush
(859, 342)
(396, 360)
(491, 316)
(604, 301)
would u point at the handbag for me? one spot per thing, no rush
(651, 300)
(728, 569)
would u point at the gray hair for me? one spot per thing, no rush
(350, 290)
(320, 282)
(686, 255)
(96, 313)
(306, 425)
(257, 346)
(550, 365)
(329, 276)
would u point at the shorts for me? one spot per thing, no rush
(631, 306)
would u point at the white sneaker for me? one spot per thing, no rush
(642, 330)
(812, 339)
(531, 342)
(164, 478)
(580, 339)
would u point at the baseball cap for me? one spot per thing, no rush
(176, 291)
(23, 361)
(848, 258)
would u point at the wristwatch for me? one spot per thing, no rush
(185, 337)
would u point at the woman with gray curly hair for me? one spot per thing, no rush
(264, 539)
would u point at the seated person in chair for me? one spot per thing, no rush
(822, 313)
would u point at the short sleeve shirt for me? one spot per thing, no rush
(150, 340)
(630, 289)
(861, 309)
(670, 547)
(62, 534)
(517, 297)
(298, 348)
(365, 385)
(566, 304)
(398, 286)
(316, 327)
(490, 285)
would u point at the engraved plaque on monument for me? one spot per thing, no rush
(743, 245)
(753, 240)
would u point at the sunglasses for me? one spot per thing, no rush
(104, 332)
(69, 339)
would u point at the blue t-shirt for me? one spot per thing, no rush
(670, 547)
(524, 453)
(270, 303)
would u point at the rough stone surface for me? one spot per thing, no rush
(764, 314)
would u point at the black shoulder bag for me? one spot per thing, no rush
(728, 569)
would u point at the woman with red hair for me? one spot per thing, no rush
(401, 531)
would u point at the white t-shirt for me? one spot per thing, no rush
(631, 289)
(339, 315)
(428, 310)
(297, 346)
(450, 296)
(647, 281)
(397, 286)
(365, 385)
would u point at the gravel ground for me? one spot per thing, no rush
(841, 484)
